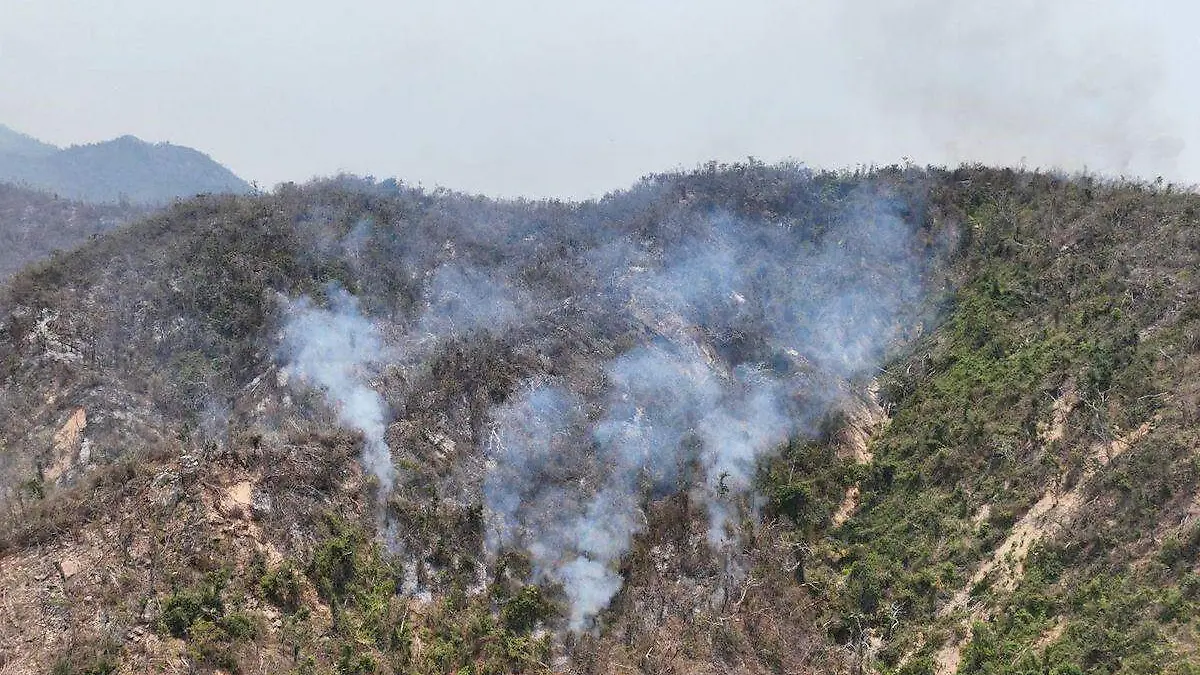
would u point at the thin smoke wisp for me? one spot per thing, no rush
(335, 349)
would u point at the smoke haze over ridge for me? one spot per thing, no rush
(575, 99)
(728, 335)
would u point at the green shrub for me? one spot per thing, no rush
(209, 643)
(282, 587)
(199, 616)
(239, 626)
(353, 660)
(185, 607)
(522, 612)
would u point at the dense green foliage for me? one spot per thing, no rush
(1065, 287)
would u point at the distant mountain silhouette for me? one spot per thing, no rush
(123, 169)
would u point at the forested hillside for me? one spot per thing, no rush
(35, 224)
(747, 418)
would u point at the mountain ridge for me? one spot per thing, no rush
(17, 143)
(121, 169)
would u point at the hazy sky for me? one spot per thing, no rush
(575, 98)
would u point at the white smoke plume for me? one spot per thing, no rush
(577, 520)
(750, 422)
(570, 477)
(336, 349)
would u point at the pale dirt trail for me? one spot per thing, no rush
(865, 419)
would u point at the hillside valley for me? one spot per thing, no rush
(746, 418)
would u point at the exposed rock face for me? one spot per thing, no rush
(68, 445)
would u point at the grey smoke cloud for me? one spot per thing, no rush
(460, 300)
(736, 435)
(529, 453)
